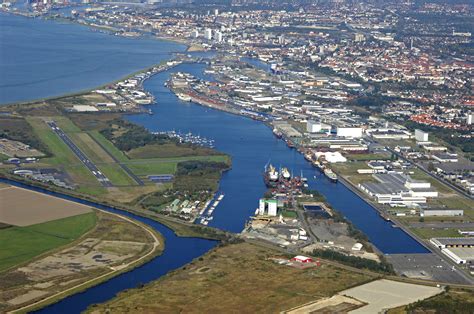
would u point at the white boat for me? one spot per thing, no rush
(184, 97)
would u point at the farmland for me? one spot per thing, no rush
(20, 207)
(21, 244)
(77, 251)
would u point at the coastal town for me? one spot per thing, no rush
(375, 100)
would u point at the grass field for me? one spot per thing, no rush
(108, 146)
(427, 233)
(62, 154)
(234, 278)
(63, 157)
(367, 157)
(116, 174)
(168, 150)
(84, 131)
(143, 169)
(21, 244)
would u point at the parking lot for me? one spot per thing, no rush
(425, 266)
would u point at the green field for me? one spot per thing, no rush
(427, 233)
(116, 174)
(21, 244)
(161, 159)
(168, 150)
(62, 154)
(108, 146)
(143, 169)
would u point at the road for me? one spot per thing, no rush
(82, 157)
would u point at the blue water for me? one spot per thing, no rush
(43, 58)
(178, 252)
(251, 145)
(40, 58)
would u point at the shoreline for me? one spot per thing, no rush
(230, 111)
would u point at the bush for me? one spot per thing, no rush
(354, 261)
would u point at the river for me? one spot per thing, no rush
(250, 143)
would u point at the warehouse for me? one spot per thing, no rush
(460, 250)
(394, 189)
(453, 242)
(441, 212)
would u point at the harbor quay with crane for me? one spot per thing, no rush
(294, 217)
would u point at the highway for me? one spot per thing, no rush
(82, 157)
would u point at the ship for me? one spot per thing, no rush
(290, 144)
(330, 174)
(271, 176)
(184, 97)
(277, 133)
(285, 174)
(318, 164)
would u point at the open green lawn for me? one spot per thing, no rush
(367, 157)
(143, 169)
(66, 125)
(168, 150)
(90, 148)
(427, 233)
(116, 174)
(21, 244)
(62, 154)
(108, 146)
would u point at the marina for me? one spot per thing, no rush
(188, 138)
(208, 209)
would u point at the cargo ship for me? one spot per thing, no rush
(330, 174)
(285, 174)
(271, 176)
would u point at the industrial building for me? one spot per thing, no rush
(353, 132)
(317, 127)
(421, 136)
(389, 134)
(445, 157)
(268, 207)
(398, 189)
(460, 250)
(441, 212)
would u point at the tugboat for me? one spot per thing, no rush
(330, 174)
(271, 176)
